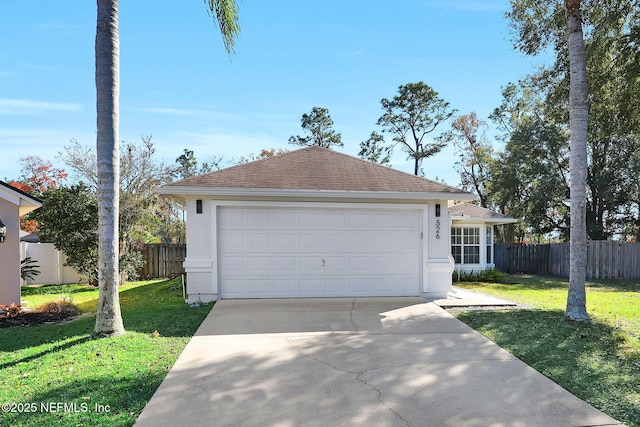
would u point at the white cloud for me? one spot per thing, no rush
(29, 106)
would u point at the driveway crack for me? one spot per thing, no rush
(374, 388)
(358, 377)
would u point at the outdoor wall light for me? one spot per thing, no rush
(3, 231)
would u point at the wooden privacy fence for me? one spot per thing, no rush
(162, 260)
(605, 259)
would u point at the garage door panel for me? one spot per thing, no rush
(310, 263)
(285, 241)
(309, 219)
(311, 241)
(311, 287)
(232, 265)
(266, 252)
(259, 287)
(285, 263)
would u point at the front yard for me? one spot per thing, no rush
(598, 362)
(55, 374)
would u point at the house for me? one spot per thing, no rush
(315, 223)
(472, 230)
(13, 204)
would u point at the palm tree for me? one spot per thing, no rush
(109, 318)
(578, 114)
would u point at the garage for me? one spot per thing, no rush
(318, 252)
(315, 223)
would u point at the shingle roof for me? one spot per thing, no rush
(477, 212)
(317, 168)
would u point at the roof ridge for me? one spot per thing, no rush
(368, 162)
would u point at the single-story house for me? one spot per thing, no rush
(315, 223)
(14, 203)
(472, 229)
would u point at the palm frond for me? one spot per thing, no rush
(225, 13)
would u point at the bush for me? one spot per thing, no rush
(492, 275)
(64, 308)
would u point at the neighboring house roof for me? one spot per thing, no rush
(24, 201)
(314, 169)
(32, 238)
(468, 212)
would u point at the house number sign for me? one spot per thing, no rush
(437, 229)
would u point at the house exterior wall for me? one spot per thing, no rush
(201, 263)
(438, 264)
(10, 254)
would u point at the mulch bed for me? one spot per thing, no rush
(28, 318)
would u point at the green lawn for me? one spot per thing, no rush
(599, 362)
(59, 364)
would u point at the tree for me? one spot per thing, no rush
(529, 178)
(476, 155)
(578, 120)
(144, 216)
(188, 165)
(611, 44)
(69, 218)
(413, 114)
(36, 177)
(538, 25)
(374, 149)
(107, 48)
(318, 124)
(264, 154)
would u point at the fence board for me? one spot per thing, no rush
(606, 259)
(162, 260)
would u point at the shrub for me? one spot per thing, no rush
(64, 308)
(28, 270)
(492, 275)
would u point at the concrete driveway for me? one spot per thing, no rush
(353, 362)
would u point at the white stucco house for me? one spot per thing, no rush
(13, 204)
(315, 223)
(472, 230)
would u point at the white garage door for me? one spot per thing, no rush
(282, 253)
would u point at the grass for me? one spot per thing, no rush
(598, 361)
(53, 363)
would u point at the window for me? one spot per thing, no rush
(465, 245)
(456, 244)
(489, 243)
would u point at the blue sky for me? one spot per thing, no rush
(179, 86)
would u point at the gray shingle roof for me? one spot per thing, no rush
(470, 210)
(316, 168)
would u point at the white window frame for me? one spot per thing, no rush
(467, 237)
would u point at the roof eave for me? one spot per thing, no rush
(180, 193)
(475, 219)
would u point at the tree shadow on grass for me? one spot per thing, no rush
(156, 307)
(99, 401)
(589, 360)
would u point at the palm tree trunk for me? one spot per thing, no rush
(109, 317)
(578, 114)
